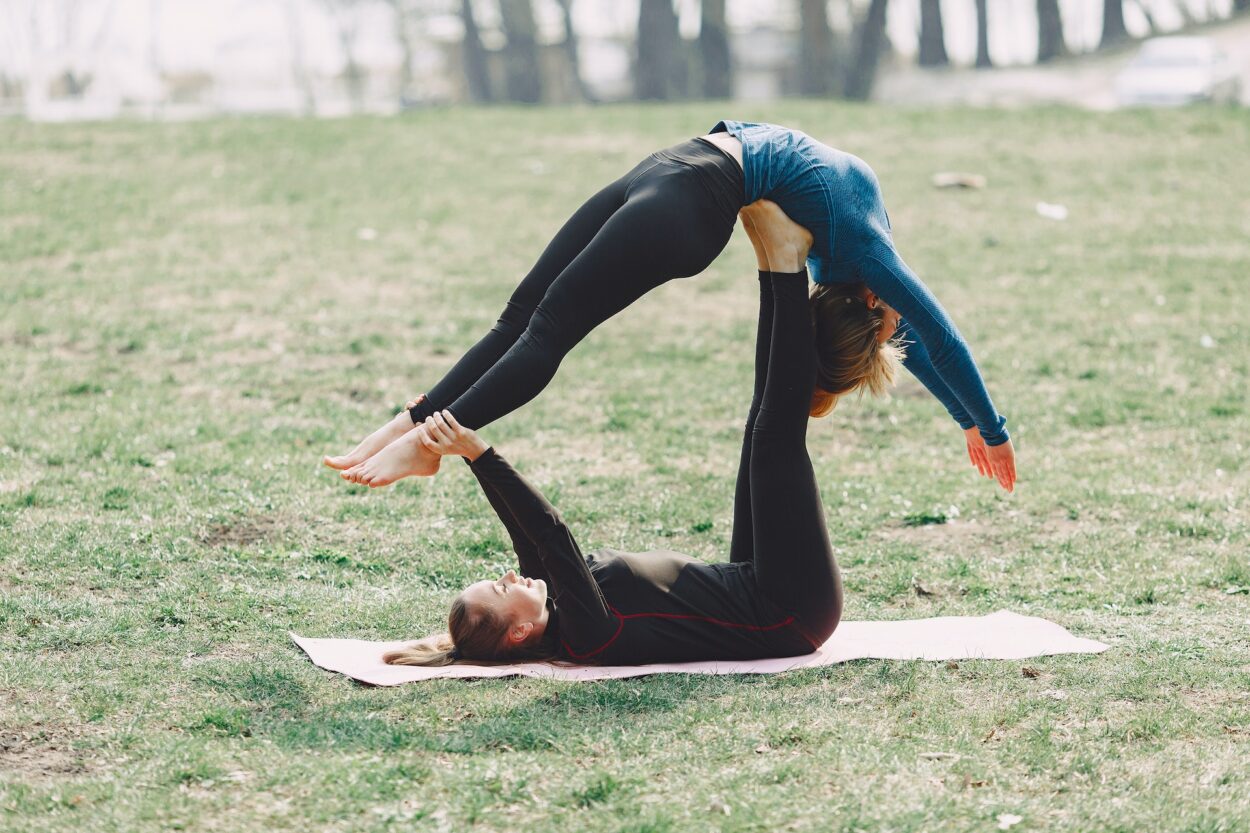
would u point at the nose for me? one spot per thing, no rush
(510, 577)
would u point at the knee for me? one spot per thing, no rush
(513, 320)
(781, 429)
(547, 329)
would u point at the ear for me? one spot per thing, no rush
(521, 632)
(871, 299)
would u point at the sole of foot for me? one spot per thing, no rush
(404, 457)
(372, 444)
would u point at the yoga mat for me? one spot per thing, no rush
(1001, 635)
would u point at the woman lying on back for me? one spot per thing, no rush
(778, 595)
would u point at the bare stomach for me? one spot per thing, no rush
(727, 143)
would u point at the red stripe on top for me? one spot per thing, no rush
(620, 626)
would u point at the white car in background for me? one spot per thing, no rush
(1178, 70)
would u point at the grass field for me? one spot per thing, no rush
(191, 314)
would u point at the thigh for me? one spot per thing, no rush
(576, 233)
(663, 231)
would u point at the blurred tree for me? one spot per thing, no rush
(983, 35)
(869, 39)
(1050, 42)
(299, 69)
(345, 15)
(1241, 5)
(403, 13)
(817, 65)
(474, 55)
(714, 60)
(1142, 7)
(1113, 30)
(570, 51)
(932, 36)
(75, 75)
(522, 74)
(660, 68)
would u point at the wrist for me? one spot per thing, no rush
(476, 450)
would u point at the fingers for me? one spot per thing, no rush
(437, 429)
(980, 462)
(1009, 475)
(451, 420)
(1005, 479)
(445, 431)
(414, 402)
(1003, 458)
(428, 440)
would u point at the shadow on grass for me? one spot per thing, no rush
(270, 703)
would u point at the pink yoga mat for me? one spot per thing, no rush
(1001, 635)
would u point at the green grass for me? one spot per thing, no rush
(189, 319)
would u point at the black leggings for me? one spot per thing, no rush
(779, 520)
(667, 218)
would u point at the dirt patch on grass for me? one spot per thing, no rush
(41, 751)
(921, 531)
(250, 529)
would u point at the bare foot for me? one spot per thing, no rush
(398, 426)
(405, 457)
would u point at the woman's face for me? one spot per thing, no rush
(890, 319)
(517, 600)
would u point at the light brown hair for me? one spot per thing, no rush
(848, 355)
(476, 636)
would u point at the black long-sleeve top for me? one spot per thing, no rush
(623, 608)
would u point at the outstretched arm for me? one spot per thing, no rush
(537, 523)
(886, 274)
(942, 361)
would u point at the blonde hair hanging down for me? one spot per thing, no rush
(431, 651)
(848, 355)
(475, 637)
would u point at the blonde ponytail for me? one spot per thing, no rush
(433, 651)
(475, 637)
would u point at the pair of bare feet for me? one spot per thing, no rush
(391, 453)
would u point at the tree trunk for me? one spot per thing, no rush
(869, 38)
(1050, 43)
(404, 39)
(714, 51)
(1152, 27)
(1113, 30)
(570, 51)
(983, 35)
(816, 58)
(523, 76)
(659, 70)
(298, 69)
(353, 72)
(932, 38)
(474, 56)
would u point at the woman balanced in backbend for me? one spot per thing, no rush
(779, 594)
(670, 217)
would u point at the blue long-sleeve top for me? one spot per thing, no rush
(836, 197)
